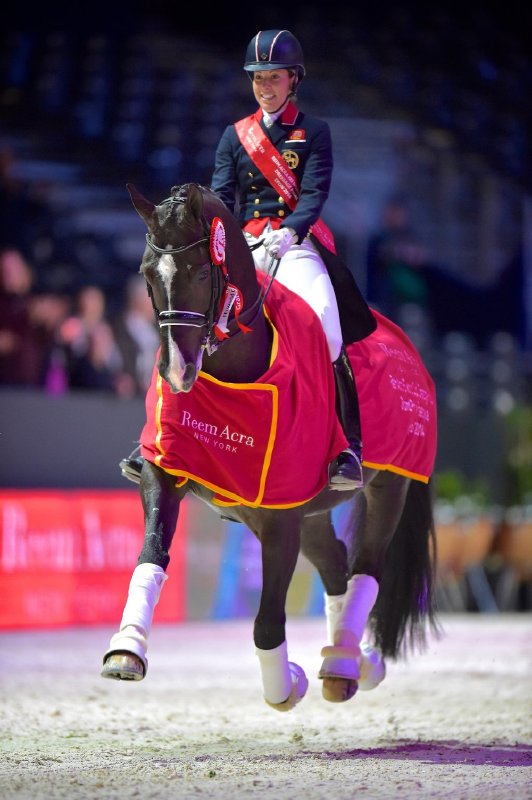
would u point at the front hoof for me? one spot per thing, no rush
(123, 667)
(299, 689)
(338, 690)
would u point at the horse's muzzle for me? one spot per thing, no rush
(183, 381)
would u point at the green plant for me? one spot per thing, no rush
(518, 432)
(453, 487)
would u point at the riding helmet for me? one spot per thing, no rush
(275, 49)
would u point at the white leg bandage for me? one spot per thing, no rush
(144, 592)
(333, 609)
(347, 616)
(275, 671)
(362, 591)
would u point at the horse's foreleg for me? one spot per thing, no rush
(284, 682)
(126, 658)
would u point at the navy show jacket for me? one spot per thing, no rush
(306, 146)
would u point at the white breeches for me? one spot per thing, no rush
(302, 271)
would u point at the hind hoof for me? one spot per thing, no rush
(123, 667)
(372, 668)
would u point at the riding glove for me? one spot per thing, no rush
(277, 243)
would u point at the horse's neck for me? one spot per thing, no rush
(244, 357)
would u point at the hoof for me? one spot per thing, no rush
(372, 668)
(299, 689)
(123, 667)
(340, 673)
(338, 690)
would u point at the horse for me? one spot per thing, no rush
(221, 426)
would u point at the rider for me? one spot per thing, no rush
(275, 167)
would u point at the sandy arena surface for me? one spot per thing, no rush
(454, 722)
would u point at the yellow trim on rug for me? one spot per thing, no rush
(416, 476)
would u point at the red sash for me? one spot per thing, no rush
(276, 171)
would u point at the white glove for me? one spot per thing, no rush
(277, 243)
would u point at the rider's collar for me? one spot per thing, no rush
(287, 115)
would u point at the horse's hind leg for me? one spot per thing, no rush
(374, 517)
(125, 659)
(340, 670)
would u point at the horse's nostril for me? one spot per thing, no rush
(189, 375)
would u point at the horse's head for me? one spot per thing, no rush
(184, 268)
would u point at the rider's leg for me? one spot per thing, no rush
(302, 270)
(347, 471)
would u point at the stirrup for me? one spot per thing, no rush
(345, 473)
(131, 467)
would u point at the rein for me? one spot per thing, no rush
(195, 319)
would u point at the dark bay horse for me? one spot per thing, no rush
(241, 414)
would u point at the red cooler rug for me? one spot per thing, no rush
(266, 443)
(397, 402)
(269, 443)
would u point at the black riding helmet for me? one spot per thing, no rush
(275, 49)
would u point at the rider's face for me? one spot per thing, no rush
(271, 88)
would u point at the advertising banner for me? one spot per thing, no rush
(66, 557)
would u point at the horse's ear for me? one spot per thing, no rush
(142, 206)
(195, 201)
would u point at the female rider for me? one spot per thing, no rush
(273, 170)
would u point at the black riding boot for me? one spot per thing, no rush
(346, 471)
(131, 467)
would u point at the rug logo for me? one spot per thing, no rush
(206, 429)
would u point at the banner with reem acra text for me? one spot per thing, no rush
(66, 558)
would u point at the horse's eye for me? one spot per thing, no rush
(203, 274)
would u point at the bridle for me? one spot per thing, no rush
(219, 280)
(193, 319)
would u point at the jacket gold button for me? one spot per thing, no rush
(256, 213)
(281, 213)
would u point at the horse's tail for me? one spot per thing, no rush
(405, 609)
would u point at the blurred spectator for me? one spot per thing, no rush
(401, 271)
(24, 214)
(395, 261)
(92, 356)
(28, 323)
(137, 335)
